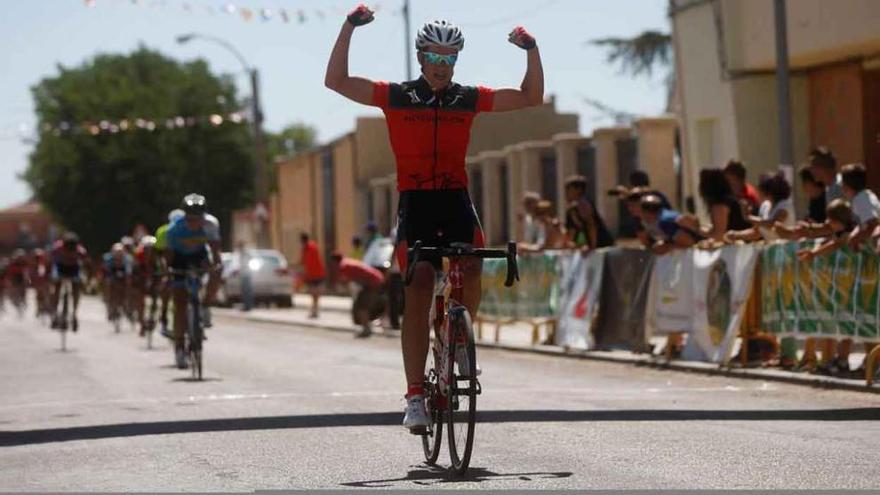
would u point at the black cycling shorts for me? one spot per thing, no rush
(66, 271)
(437, 218)
(184, 262)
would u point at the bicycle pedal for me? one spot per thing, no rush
(419, 430)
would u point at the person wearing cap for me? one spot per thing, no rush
(662, 228)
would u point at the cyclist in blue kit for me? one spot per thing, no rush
(188, 245)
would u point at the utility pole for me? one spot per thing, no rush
(262, 176)
(407, 41)
(782, 85)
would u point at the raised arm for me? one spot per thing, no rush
(531, 91)
(337, 78)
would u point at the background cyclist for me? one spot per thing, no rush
(69, 257)
(432, 180)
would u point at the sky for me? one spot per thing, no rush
(38, 35)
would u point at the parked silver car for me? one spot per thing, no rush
(271, 278)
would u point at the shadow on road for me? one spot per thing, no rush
(432, 475)
(26, 437)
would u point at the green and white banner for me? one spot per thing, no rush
(830, 296)
(534, 296)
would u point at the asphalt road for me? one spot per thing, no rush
(284, 408)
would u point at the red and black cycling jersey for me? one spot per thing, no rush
(430, 131)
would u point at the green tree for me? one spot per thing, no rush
(102, 185)
(291, 140)
(641, 55)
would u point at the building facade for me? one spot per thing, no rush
(725, 68)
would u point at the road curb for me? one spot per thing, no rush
(654, 362)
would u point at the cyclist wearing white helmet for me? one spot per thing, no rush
(429, 122)
(174, 215)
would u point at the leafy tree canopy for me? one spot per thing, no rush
(102, 185)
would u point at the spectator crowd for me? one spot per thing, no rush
(840, 211)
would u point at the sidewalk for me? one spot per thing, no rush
(335, 315)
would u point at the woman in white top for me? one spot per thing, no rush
(776, 207)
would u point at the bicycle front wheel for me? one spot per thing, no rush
(461, 406)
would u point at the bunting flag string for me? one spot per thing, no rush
(247, 14)
(108, 126)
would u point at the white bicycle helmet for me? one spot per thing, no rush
(440, 33)
(175, 215)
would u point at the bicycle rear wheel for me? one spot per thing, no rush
(461, 407)
(433, 438)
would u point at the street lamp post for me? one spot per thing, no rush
(261, 181)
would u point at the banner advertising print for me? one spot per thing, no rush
(534, 296)
(580, 283)
(721, 282)
(830, 296)
(669, 299)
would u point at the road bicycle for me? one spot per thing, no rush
(150, 318)
(195, 334)
(65, 297)
(451, 386)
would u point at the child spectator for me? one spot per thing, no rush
(865, 205)
(735, 173)
(814, 191)
(823, 166)
(840, 221)
(550, 234)
(776, 207)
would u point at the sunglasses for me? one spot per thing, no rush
(437, 59)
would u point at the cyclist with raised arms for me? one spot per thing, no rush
(429, 122)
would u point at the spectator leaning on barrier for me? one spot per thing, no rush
(639, 179)
(823, 166)
(369, 303)
(814, 191)
(841, 222)
(550, 233)
(725, 212)
(585, 229)
(864, 203)
(735, 173)
(314, 272)
(531, 228)
(776, 208)
(661, 229)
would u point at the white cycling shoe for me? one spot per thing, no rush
(464, 364)
(416, 416)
